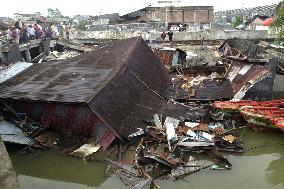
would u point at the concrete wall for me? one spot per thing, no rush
(178, 36)
(8, 178)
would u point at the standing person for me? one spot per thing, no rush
(24, 35)
(48, 32)
(67, 32)
(163, 36)
(38, 31)
(9, 35)
(19, 24)
(54, 30)
(170, 34)
(16, 35)
(31, 32)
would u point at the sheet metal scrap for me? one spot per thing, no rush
(11, 133)
(242, 49)
(189, 168)
(21, 129)
(132, 177)
(184, 150)
(201, 88)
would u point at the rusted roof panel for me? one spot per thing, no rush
(216, 89)
(140, 92)
(244, 76)
(74, 80)
(166, 56)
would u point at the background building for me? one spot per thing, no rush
(173, 15)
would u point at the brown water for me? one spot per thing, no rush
(261, 168)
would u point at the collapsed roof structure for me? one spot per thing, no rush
(251, 73)
(105, 93)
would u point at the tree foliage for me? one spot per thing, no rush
(82, 24)
(237, 21)
(278, 22)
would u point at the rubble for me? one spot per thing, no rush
(55, 55)
(174, 150)
(163, 108)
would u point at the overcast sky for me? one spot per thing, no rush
(96, 7)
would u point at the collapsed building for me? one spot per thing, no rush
(243, 70)
(251, 72)
(107, 93)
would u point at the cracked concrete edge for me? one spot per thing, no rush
(8, 177)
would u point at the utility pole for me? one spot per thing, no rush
(167, 3)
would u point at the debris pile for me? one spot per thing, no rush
(177, 148)
(55, 55)
(260, 115)
(205, 88)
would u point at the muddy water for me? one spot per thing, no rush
(261, 167)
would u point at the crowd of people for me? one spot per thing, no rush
(21, 33)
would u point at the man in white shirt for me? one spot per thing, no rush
(9, 35)
(31, 32)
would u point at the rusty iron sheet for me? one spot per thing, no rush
(126, 113)
(166, 56)
(244, 76)
(74, 119)
(203, 70)
(106, 139)
(206, 90)
(74, 80)
(242, 48)
(121, 88)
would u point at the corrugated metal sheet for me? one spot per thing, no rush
(134, 104)
(75, 119)
(10, 133)
(242, 48)
(121, 85)
(11, 70)
(73, 80)
(216, 89)
(166, 56)
(133, 100)
(244, 76)
(203, 70)
(115, 72)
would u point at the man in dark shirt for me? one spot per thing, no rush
(170, 34)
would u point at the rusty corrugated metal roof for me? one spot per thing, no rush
(74, 80)
(216, 89)
(243, 76)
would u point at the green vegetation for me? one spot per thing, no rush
(278, 22)
(82, 24)
(237, 21)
